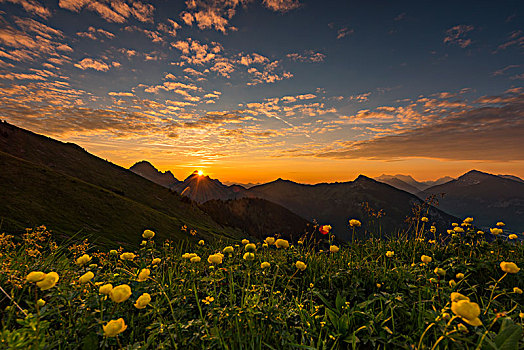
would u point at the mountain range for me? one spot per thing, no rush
(147, 170)
(409, 184)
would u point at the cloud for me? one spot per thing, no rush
(32, 6)
(457, 35)
(21, 76)
(117, 11)
(514, 39)
(89, 63)
(343, 32)
(502, 71)
(121, 94)
(489, 131)
(171, 27)
(308, 56)
(94, 33)
(281, 5)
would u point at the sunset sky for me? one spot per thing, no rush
(249, 91)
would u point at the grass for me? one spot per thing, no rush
(356, 297)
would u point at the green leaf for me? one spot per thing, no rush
(509, 336)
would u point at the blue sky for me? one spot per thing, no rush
(279, 88)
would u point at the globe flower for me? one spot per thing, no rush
(450, 232)
(354, 223)
(250, 247)
(440, 272)
(300, 265)
(457, 297)
(201, 242)
(500, 224)
(454, 224)
(480, 232)
(459, 276)
(468, 311)
(245, 241)
(114, 327)
(270, 240)
(426, 259)
(433, 229)
(86, 277)
(334, 249)
(228, 250)
(265, 245)
(424, 219)
(468, 220)
(84, 259)
(509, 267)
(105, 289)
(113, 252)
(214, 259)
(324, 229)
(265, 265)
(156, 261)
(452, 283)
(458, 229)
(208, 300)
(127, 256)
(249, 256)
(495, 231)
(41, 302)
(142, 301)
(120, 293)
(512, 236)
(35, 276)
(390, 253)
(517, 290)
(143, 275)
(148, 234)
(281, 243)
(433, 280)
(49, 281)
(143, 243)
(195, 259)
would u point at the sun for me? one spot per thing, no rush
(200, 173)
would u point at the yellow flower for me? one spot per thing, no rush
(265, 245)
(105, 289)
(270, 240)
(300, 265)
(114, 327)
(208, 300)
(84, 259)
(440, 272)
(454, 224)
(334, 249)
(35, 276)
(495, 231)
(426, 259)
(201, 242)
(250, 247)
(390, 253)
(249, 256)
(458, 229)
(354, 223)
(143, 275)
(265, 265)
(214, 259)
(452, 283)
(457, 296)
(433, 229)
(245, 241)
(49, 281)
(86, 277)
(500, 224)
(228, 250)
(148, 234)
(517, 290)
(41, 302)
(113, 252)
(142, 301)
(509, 267)
(468, 311)
(281, 243)
(459, 276)
(480, 232)
(512, 236)
(156, 261)
(468, 220)
(195, 259)
(424, 219)
(188, 256)
(127, 256)
(120, 293)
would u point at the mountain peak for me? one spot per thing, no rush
(148, 171)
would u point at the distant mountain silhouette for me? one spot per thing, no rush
(488, 198)
(409, 184)
(512, 177)
(147, 170)
(201, 188)
(45, 181)
(336, 203)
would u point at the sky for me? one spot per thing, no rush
(250, 91)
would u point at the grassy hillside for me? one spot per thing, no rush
(32, 195)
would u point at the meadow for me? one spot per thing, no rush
(417, 290)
